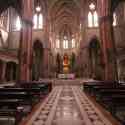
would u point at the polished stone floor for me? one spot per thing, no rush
(68, 105)
(67, 111)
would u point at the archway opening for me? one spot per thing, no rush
(95, 55)
(37, 60)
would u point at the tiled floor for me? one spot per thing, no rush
(68, 105)
(67, 111)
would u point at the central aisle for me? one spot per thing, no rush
(67, 111)
(68, 105)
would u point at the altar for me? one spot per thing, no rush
(66, 76)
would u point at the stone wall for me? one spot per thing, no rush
(119, 35)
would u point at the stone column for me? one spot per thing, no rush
(47, 45)
(107, 39)
(25, 53)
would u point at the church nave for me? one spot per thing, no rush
(62, 62)
(69, 105)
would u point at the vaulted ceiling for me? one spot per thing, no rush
(65, 16)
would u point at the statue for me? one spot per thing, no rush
(66, 64)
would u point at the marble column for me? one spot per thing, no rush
(25, 53)
(107, 39)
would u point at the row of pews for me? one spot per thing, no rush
(17, 101)
(110, 94)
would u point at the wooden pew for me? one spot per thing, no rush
(114, 101)
(97, 89)
(14, 99)
(109, 94)
(33, 91)
(45, 87)
(90, 86)
(13, 104)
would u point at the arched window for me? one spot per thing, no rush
(35, 21)
(92, 16)
(90, 24)
(114, 19)
(38, 18)
(73, 43)
(40, 25)
(65, 44)
(58, 43)
(38, 21)
(95, 19)
(18, 23)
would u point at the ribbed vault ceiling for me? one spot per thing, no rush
(65, 16)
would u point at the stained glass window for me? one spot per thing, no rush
(18, 23)
(114, 19)
(73, 43)
(38, 21)
(58, 43)
(92, 16)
